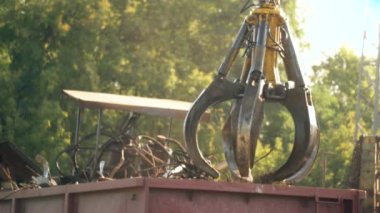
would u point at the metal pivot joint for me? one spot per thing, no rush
(268, 35)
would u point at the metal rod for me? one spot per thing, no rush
(258, 53)
(170, 127)
(77, 126)
(100, 115)
(290, 60)
(359, 91)
(233, 51)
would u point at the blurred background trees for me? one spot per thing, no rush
(164, 49)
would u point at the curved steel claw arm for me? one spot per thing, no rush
(299, 103)
(240, 152)
(229, 138)
(218, 91)
(251, 108)
(306, 138)
(248, 127)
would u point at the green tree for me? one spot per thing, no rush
(334, 91)
(166, 49)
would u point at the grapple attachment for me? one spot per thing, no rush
(266, 36)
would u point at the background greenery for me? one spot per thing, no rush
(165, 49)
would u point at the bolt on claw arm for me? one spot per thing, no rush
(265, 35)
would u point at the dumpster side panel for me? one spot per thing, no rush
(5, 206)
(131, 200)
(182, 201)
(143, 195)
(41, 204)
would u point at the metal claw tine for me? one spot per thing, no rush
(298, 102)
(306, 139)
(247, 114)
(229, 138)
(229, 131)
(251, 106)
(218, 91)
(258, 118)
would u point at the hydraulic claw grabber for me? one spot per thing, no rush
(265, 35)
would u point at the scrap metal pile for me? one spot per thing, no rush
(129, 155)
(148, 157)
(121, 156)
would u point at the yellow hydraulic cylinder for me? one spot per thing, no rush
(271, 12)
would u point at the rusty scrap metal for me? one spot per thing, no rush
(15, 166)
(129, 155)
(148, 157)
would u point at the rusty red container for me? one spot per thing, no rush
(153, 195)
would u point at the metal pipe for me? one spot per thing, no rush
(292, 67)
(233, 51)
(170, 127)
(100, 116)
(77, 126)
(258, 53)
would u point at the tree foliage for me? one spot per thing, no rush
(335, 94)
(166, 49)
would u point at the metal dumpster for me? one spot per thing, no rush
(156, 195)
